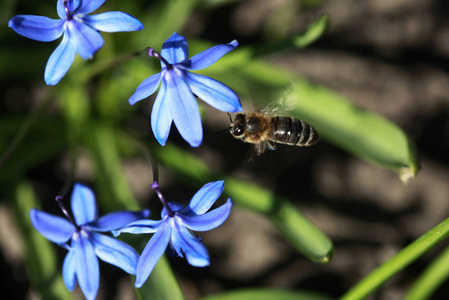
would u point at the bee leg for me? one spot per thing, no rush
(261, 147)
(271, 145)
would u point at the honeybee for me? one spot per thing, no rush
(265, 131)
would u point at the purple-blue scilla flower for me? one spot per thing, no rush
(80, 236)
(175, 230)
(175, 101)
(80, 32)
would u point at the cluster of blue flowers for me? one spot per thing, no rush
(83, 233)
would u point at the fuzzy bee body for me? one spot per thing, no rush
(265, 131)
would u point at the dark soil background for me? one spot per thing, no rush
(390, 57)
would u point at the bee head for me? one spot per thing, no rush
(238, 126)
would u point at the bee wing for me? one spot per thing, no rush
(281, 106)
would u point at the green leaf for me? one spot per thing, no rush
(431, 278)
(41, 260)
(112, 183)
(267, 294)
(397, 263)
(300, 231)
(161, 285)
(313, 32)
(163, 20)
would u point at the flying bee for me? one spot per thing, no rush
(265, 131)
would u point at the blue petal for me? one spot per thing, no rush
(113, 21)
(160, 116)
(84, 207)
(152, 253)
(138, 227)
(69, 270)
(38, 28)
(117, 220)
(175, 49)
(191, 246)
(60, 9)
(183, 108)
(60, 61)
(88, 6)
(206, 197)
(115, 252)
(209, 57)
(146, 88)
(54, 228)
(87, 39)
(213, 92)
(208, 221)
(87, 269)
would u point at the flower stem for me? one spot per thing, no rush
(23, 131)
(155, 186)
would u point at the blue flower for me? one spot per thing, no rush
(80, 236)
(80, 32)
(176, 101)
(174, 230)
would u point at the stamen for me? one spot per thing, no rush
(66, 213)
(66, 9)
(151, 52)
(155, 186)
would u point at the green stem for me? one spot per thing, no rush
(432, 277)
(398, 262)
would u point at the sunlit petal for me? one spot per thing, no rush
(152, 253)
(69, 270)
(117, 220)
(139, 227)
(84, 207)
(115, 252)
(175, 49)
(213, 92)
(160, 116)
(209, 220)
(88, 6)
(60, 61)
(183, 108)
(146, 88)
(38, 28)
(190, 246)
(209, 57)
(54, 228)
(87, 40)
(203, 200)
(113, 21)
(87, 269)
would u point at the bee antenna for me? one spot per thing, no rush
(221, 131)
(230, 117)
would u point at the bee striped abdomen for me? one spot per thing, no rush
(291, 131)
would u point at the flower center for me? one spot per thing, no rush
(66, 9)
